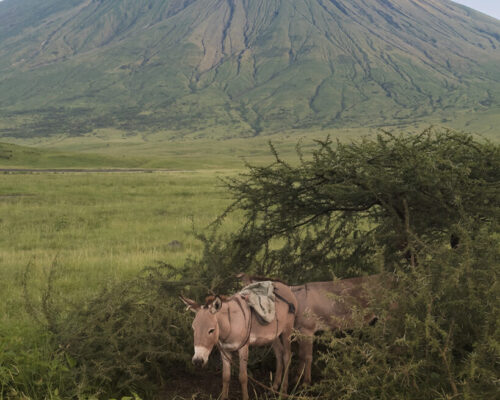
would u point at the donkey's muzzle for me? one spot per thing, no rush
(198, 362)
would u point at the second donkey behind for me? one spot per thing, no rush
(332, 305)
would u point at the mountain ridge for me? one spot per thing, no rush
(250, 66)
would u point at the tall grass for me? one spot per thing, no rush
(100, 227)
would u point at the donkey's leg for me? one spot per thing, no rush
(278, 353)
(226, 374)
(243, 355)
(287, 354)
(305, 355)
(302, 359)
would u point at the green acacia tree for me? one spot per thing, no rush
(393, 192)
(423, 207)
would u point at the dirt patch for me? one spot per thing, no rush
(12, 196)
(207, 385)
(203, 386)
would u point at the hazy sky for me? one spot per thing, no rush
(490, 7)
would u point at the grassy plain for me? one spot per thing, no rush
(109, 148)
(100, 227)
(115, 149)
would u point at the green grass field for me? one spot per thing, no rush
(115, 150)
(100, 227)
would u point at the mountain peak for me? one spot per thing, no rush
(246, 65)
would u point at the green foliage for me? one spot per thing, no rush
(442, 341)
(389, 203)
(397, 193)
(30, 366)
(130, 337)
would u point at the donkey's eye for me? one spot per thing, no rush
(210, 331)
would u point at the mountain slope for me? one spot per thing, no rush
(246, 66)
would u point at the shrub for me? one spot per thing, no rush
(337, 208)
(442, 342)
(29, 365)
(129, 338)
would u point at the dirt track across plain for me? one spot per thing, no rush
(83, 170)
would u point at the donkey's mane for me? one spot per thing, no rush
(210, 299)
(260, 278)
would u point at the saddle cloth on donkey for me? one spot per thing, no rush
(260, 296)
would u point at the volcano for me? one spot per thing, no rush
(247, 67)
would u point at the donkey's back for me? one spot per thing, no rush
(331, 305)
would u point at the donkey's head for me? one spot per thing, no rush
(205, 328)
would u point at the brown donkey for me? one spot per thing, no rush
(231, 325)
(328, 305)
(331, 305)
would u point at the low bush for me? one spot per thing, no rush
(442, 341)
(30, 366)
(130, 338)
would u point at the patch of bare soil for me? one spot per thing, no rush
(13, 196)
(203, 386)
(207, 385)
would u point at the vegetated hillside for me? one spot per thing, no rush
(241, 66)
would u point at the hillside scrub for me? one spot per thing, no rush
(243, 68)
(422, 209)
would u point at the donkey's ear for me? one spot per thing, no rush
(244, 278)
(216, 305)
(191, 304)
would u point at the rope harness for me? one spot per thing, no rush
(291, 306)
